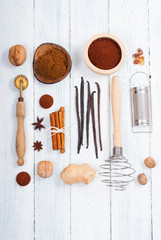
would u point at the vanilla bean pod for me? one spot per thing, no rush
(93, 123)
(88, 114)
(99, 121)
(82, 110)
(78, 118)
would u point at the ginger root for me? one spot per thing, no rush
(75, 173)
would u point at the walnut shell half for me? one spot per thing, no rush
(17, 55)
(45, 169)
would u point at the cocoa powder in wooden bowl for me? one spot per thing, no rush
(104, 53)
(51, 63)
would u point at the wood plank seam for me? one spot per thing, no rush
(70, 100)
(34, 105)
(151, 186)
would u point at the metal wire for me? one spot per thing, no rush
(118, 172)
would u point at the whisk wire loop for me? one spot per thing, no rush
(118, 172)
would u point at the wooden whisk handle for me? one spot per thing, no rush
(116, 110)
(20, 137)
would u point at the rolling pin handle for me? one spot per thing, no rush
(20, 137)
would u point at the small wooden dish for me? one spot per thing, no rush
(40, 51)
(98, 70)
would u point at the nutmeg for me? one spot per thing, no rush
(149, 162)
(45, 169)
(17, 55)
(142, 178)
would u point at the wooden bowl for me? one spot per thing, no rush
(42, 50)
(102, 71)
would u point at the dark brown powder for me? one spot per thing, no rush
(53, 64)
(23, 178)
(104, 53)
(46, 101)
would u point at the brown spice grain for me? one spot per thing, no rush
(140, 51)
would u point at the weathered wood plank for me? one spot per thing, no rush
(155, 51)
(90, 205)
(52, 197)
(131, 210)
(16, 203)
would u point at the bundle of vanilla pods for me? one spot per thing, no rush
(80, 116)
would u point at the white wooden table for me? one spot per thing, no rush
(47, 209)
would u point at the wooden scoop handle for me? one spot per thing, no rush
(116, 110)
(20, 137)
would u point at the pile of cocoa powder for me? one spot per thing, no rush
(104, 53)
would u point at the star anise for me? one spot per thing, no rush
(38, 124)
(37, 146)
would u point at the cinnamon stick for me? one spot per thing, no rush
(54, 138)
(57, 126)
(62, 125)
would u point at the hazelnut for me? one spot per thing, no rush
(142, 178)
(149, 162)
(45, 169)
(17, 55)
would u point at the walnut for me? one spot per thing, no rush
(45, 169)
(17, 55)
